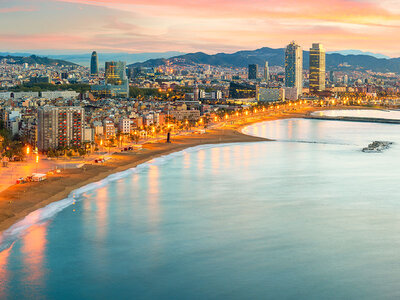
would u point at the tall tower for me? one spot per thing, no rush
(266, 72)
(317, 68)
(294, 67)
(253, 71)
(94, 64)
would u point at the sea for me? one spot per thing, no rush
(306, 216)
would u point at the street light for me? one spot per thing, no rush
(37, 162)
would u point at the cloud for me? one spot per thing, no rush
(202, 25)
(15, 9)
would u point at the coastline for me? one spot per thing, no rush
(18, 201)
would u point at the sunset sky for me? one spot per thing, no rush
(198, 25)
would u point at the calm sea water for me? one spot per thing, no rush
(309, 216)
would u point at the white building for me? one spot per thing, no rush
(59, 94)
(88, 134)
(20, 95)
(125, 125)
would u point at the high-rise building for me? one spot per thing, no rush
(331, 77)
(266, 72)
(115, 72)
(317, 68)
(60, 127)
(94, 64)
(116, 81)
(294, 67)
(253, 71)
(345, 79)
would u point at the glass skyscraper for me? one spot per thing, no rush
(294, 67)
(253, 71)
(115, 72)
(116, 81)
(317, 68)
(94, 64)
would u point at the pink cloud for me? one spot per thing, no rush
(202, 25)
(15, 9)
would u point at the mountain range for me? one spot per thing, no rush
(275, 57)
(33, 59)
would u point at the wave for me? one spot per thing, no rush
(42, 215)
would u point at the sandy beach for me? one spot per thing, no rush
(18, 201)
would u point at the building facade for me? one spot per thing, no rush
(60, 127)
(253, 71)
(241, 90)
(116, 81)
(317, 68)
(294, 67)
(270, 94)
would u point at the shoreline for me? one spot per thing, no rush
(18, 201)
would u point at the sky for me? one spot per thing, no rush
(211, 26)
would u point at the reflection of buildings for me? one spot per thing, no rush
(317, 68)
(4, 273)
(60, 127)
(33, 250)
(294, 67)
(116, 82)
(241, 90)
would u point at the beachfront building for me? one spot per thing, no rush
(317, 68)
(294, 67)
(270, 94)
(60, 127)
(182, 113)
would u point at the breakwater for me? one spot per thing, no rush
(354, 119)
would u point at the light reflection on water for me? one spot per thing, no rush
(308, 216)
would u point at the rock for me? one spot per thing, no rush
(377, 147)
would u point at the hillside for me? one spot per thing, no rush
(33, 59)
(275, 57)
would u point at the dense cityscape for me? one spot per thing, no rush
(71, 110)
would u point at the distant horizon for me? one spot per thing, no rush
(48, 52)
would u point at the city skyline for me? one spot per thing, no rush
(218, 26)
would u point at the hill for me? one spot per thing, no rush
(33, 59)
(83, 59)
(275, 57)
